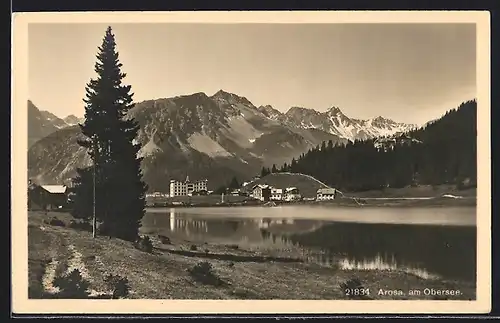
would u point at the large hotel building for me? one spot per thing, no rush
(187, 188)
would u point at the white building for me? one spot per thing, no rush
(48, 196)
(261, 192)
(292, 194)
(186, 188)
(55, 189)
(235, 192)
(324, 194)
(156, 194)
(277, 194)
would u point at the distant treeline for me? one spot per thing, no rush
(444, 152)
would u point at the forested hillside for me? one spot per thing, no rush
(444, 152)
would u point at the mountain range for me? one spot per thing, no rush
(42, 123)
(443, 151)
(334, 121)
(214, 137)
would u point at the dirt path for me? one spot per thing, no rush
(51, 249)
(76, 262)
(60, 265)
(49, 276)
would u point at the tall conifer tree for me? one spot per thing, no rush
(234, 183)
(120, 191)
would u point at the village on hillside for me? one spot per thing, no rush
(260, 192)
(60, 197)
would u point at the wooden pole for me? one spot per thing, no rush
(94, 219)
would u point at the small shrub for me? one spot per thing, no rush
(230, 264)
(56, 222)
(81, 225)
(72, 285)
(207, 251)
(193, 247)
(203, 273)
(351, 283)
(118, 285)
(144, 244)
(233, 246)
(164, 239)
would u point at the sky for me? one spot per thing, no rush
(410, 73)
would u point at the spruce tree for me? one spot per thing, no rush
(234, 183)
(293, 166)
(330, 145)
(109, 140)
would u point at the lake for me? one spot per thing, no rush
(431, 242)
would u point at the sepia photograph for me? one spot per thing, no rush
(251, 158)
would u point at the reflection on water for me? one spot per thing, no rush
(428, 251)
(383, 263)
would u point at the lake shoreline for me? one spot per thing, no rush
(423, 195)
(246, 273)
(339, 202)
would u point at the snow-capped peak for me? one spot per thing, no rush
(334, 121)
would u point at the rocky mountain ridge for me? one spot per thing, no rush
(214, 137)
(42, 123)
(334, 121)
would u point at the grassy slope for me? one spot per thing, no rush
(164, 273)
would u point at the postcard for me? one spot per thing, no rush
(251, 162)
